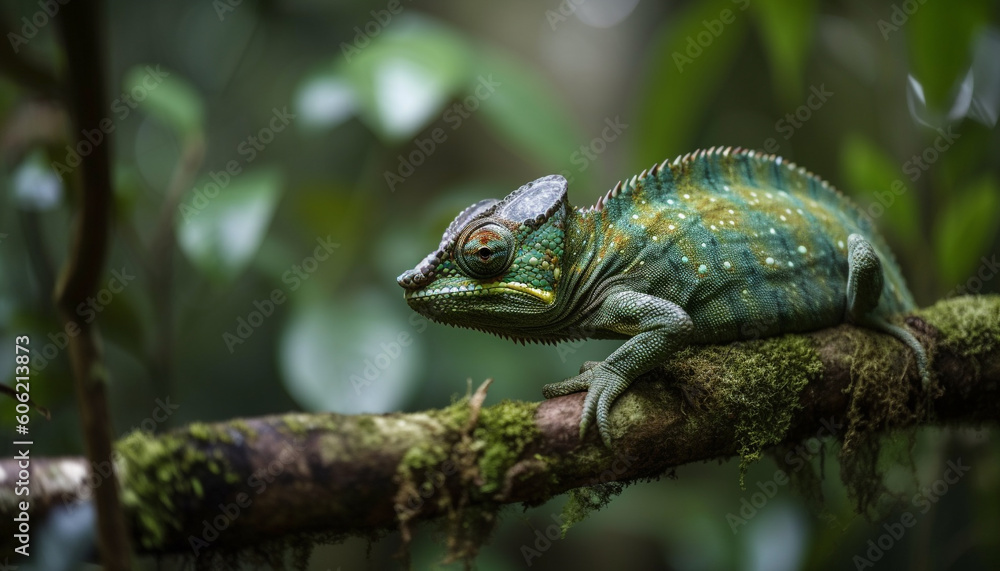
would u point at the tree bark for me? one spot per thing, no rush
(265, 478)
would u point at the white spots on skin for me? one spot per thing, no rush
(702, 269)
(840, 244)
(753, 194)
(670, 201)
(711, 199)
(799, 210)
(731, 211)
(788, 211)
(635, 217)
(732, 223)
(769, 261)
(745, 292)
(782, 218)
(772, 231)
(704, 245)
(656, 238)
(687, 196)
(725, 187)
(791, 265)
(713, 227)
(726, 265)
(802, 249)
(769, 195)
(671, 227)
(684, 259)
(681, 216)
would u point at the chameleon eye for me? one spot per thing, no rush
(486, 250)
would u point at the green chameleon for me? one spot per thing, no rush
(719, 245)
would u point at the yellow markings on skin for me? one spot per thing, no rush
(546, 296)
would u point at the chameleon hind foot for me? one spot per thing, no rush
(864, 288)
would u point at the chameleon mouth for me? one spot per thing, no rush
(480, 290)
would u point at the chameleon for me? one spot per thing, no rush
(718, 245)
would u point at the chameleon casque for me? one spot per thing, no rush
(719, 245)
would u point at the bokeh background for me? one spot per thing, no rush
(319, 149)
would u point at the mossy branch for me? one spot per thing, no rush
(238, 483)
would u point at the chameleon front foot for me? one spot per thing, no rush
(603, 385)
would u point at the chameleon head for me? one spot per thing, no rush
(498, 262)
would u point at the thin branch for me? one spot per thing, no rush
(81, 31)
(265, 478)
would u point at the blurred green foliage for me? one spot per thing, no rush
(398, 116)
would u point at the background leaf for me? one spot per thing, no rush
(677, 94)
(526, 114)
(965, 229)
(786, 30)
(870, 176)
(222, 237)
(166, 96)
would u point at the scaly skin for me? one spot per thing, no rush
(717, 246)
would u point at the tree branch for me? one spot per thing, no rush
(80, 29)
(241, 482)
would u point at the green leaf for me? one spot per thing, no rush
(220, 231)
(786, 29)
(965, 230)
(940, 40)
(403, 79)
(874, 179)
(683, 75)
(166, 96)
(349, 357)
(522, 108)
